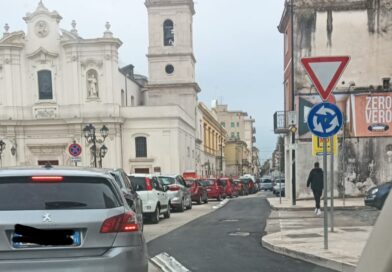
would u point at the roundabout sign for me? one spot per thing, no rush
(325, 120)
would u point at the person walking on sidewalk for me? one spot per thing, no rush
(316, 183)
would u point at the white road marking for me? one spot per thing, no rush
(167, 263)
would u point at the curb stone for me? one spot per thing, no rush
(328, 263)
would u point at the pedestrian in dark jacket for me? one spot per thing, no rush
(316, 183)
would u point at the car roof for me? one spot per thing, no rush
(54, 171)
(141, 175)
(169, 176)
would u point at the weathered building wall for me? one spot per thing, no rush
(361, 29)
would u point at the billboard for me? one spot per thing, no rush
(372, 115)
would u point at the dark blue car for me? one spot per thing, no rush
(376, 196)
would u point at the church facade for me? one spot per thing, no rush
(53, 83)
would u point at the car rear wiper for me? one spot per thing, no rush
(63, 204)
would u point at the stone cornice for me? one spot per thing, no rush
(150, 87)
(42, 10)
(170, 3)
(40, 51)
(100, 41)
(172, 55)
(9, 37)
(335, 5)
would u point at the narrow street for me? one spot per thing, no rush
(227, 240)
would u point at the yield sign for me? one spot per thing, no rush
(325, 72)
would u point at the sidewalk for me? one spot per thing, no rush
(298, 233)
(308, 204)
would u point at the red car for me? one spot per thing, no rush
(214, 188)
(198, 191)
(229, 187)
(239, 187)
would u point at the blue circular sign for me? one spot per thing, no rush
(325, 120)
(75, 150)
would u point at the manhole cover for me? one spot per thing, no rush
(304, 235)
(239, 233)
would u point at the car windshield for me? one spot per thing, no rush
(138, 182)
(167, 180)
(245, 181)
(20, 193)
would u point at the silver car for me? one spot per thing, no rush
(59, 219)
(178, 192)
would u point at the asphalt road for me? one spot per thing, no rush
(228, 240)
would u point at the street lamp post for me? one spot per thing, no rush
(102, 152)
(91, 138)
(2, 148)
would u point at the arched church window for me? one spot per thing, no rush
(45, 88)
(168, 33)
(141, 147)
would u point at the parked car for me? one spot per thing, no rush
(178, 192)
(249, 183)
(198, 191)
(279, 185)
(129, 192)
(93, 227)
(258, 184)
(376, 196)
(239, 187)
(153, 195)
(215, 189)
(266, 184)
(228, 185)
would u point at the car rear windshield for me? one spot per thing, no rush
(139, 183)
(266, 181)
(246, 181)
(210, 181)
(190, 182)
(167, 180)
(205, 183)
(223, 182)
(21, 193)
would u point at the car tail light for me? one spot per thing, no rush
(47, 178)
(148, 184)
(174, 188)
(125, 222)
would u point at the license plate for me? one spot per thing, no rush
(76, 238)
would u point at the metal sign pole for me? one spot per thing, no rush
(332, 182)
(325, 194)
(280, 191)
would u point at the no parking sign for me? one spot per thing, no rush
(74, 150)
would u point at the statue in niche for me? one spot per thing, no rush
(92, 83)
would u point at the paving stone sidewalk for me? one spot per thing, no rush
(297, 232)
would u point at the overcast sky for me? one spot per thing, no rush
(237, 46)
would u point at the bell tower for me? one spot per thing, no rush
(170, 54)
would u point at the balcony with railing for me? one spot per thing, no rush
(280, 122)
